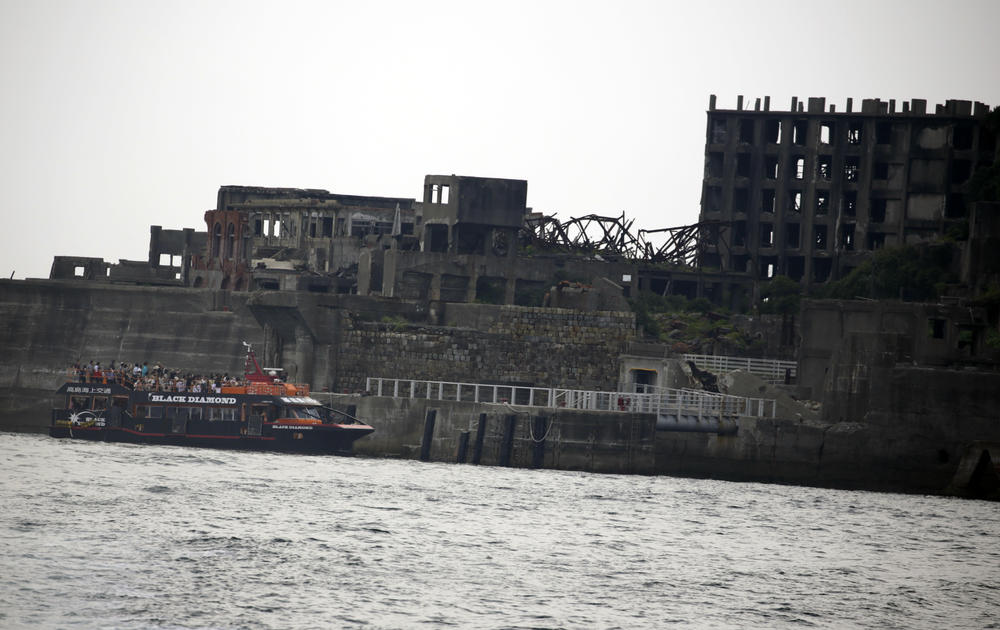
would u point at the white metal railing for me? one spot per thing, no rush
(773, 371)
(663, 401)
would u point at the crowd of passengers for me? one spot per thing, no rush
(157, 378)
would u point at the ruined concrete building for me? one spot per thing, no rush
(809, 192)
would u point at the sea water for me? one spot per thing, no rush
(96, 535)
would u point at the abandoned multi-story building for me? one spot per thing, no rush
(809, 192)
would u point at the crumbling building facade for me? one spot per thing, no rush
(810, 192)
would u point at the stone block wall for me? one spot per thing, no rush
(506, 345)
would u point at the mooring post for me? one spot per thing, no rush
(477, 451)
(507, 440)
(539, 427)
(425, 444)
(463, 446)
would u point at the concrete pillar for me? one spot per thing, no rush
(303, 355)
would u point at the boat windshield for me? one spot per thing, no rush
(302, 412)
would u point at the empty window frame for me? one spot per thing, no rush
(439, 193)
(961, 137)
(880, 171)
(772, 131)
(798, 166)
(799, 129)
(936, 328)
(746, 130)
(766, 235)
(821, 269)
(743, 165)
(849, 203)
(771, 167)
(876, 212)
(847, 236)
(824, 167)
(822, 201)
(955, 206)
(793, 233)
(826, 132)
(876, 240)
(819, 236)
(883, 132)
(854, 132)
(851, 168)
(767, 200)
(739, 234)
(327, 227)
(961, 170)
(795, 201)
(795, 267)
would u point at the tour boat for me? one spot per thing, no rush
(260, 413)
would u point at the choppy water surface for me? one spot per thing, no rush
(106, 535)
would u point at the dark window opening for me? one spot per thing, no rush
(854, 133)
(821, 269)
(955, 208)
(740, 234)
(962, 137)
(771, 167)
(961, 170)
(881, 171)
(216, 240)
(741, 263)
(768, 267)
(850, 202)
(796, 267)
(436, 238)
(798, 167)
(743, 165)
(772, 131)
(792, 232)
(327, 227)
(876, 240)
(819, 236)
(822, 201)
(851, 169)
(767, 201)
(877, 212)
(258, 227)
(766, 235)
(936, 328)
(312, 229)
(795, 200)
(746, 130)
(883, 133)
(824, 167)
(847, 236)
(799, 128)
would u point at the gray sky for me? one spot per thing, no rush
(118, 115)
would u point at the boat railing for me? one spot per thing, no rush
(664, 401)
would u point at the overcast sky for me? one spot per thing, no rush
(120, 115)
